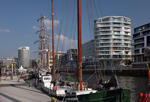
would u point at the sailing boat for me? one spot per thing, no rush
(79, 92)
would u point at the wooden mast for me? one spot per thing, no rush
(53, 67)
(48, 54)
(79, 44)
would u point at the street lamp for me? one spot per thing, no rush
(12, 71)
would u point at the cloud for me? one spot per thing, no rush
(35, 28)
(65, 42)
(5, 30)
(48, 23)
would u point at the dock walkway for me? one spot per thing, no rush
(14, 91)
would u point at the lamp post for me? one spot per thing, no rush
(12, 71)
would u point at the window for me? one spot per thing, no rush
(148, 40)
(117, 19)
(136, 51)
(139, 45)
(106, 19)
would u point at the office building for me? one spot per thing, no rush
(141, 39)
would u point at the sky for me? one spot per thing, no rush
(18, 20)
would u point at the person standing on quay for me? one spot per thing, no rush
(6, 74)
(0, 73)
(20, 73)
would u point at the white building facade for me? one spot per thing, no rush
(113, 38)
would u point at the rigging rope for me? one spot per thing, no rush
(100, 9)
(95, 7)
(72, 26)
(66, 26)
(60, 30)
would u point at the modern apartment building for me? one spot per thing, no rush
(113, 38)
(141, 39)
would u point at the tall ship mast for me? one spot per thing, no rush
(43, 51)
(53, 52)
(42, 41)
(79, 45)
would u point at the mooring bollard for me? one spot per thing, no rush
(146, 97)
(141, 99)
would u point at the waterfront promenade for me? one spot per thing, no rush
(14, 91)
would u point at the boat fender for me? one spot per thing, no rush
(54, 99)
(97, 85)
(38, 81)
(85, 85)
(54, 88)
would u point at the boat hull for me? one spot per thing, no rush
(117, 95)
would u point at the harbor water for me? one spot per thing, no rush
(137, 85)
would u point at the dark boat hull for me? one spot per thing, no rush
(117, 95)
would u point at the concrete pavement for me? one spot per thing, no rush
(14, 91)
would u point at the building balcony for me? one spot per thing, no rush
(105, 22)
(129, 42)
(104, 53)
(103, 34)
(105, 41)
(104, 30)
(139, 37)
(116, 29)
(142, 30)
(127, 26)
(119, 21)
(126, 38)
(102, 25)
(102, 50)
(127, 23)
(116, 25)
(104, 46)
(114, 37)
(118, 46)
(117, 53)
(127, 30)
(140, 42)
(136, 48)
(105, 37)
(117, 41)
